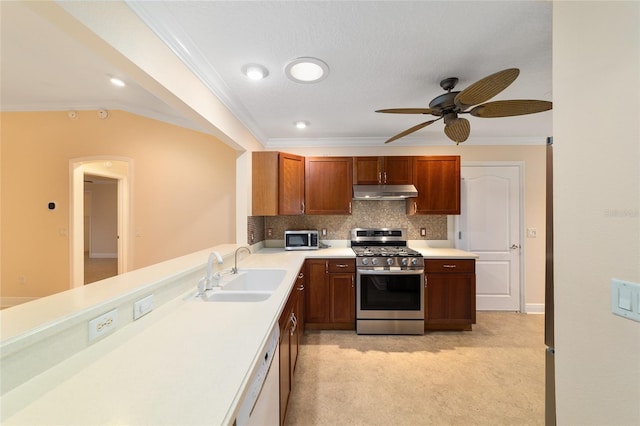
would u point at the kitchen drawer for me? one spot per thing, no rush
(435, 266)
(342, 265)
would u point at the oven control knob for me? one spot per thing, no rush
(414, 261)
(365, 261)
(374, 261)
(390, 261)
(404, 261)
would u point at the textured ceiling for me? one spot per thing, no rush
(380, 54)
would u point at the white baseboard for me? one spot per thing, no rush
(103, 255)
(9, 301)
(534, 308)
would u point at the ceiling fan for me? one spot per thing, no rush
(451, 104)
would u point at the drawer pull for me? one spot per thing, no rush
(448, 266)
(342, 265)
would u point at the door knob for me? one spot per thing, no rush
(515, 246)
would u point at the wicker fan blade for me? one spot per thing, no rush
(411, 130)
(510, 108)
(458, 130)
(410, 111)
(485, 89)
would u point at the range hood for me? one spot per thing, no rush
(384, 192)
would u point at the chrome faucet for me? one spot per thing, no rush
(235, 266)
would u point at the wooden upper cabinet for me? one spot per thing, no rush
(328, 185)
(277, 184)
(437, 180)
(383, 170)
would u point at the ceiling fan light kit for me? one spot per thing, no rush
(451, 104)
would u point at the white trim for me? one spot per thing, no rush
(535, 308)
(120, 169)
(273, 143)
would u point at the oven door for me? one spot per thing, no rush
(390, 294)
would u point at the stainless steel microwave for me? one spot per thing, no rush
(301, 240)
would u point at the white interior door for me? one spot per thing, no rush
(489, 226)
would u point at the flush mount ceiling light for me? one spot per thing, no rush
(301, 124)
(255, 71)
(307, 70)
(116, 82)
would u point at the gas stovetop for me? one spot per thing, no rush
(385, 251)
(383, 247)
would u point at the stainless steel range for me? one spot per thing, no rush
(389, 282)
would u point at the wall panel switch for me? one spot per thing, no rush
(142, 307)
(625, 299)
(103, 324)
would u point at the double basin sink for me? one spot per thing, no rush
(248, 285)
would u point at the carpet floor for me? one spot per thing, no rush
(493, 375)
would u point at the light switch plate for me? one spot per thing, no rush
(142, 307)
(625, 299)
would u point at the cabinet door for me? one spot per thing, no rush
(437, 180)
(328, 185)
(290, 184)
(397, 170)
(343, 305)
(450, 296)
(367, 170)
(264, 183)
(316, 309)
(285, 360)
(301, 287)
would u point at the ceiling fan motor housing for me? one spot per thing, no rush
(444, 103)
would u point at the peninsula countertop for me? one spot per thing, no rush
(186, 362)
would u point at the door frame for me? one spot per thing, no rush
(521, 206)
(118, 168)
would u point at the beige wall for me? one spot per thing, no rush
(183, 191)
(534, 159)
(596, 86)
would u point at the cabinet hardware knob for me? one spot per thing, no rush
(301, 275)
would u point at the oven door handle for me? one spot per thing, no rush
(390, 271)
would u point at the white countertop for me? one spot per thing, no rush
(187, 362)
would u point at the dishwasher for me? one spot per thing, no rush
(261, 405)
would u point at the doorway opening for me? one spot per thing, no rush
(116, 171)
(100, 228)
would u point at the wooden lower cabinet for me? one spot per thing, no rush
(450, 295)
(330, 294)
(291, 324)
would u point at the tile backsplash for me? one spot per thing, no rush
(365, 214)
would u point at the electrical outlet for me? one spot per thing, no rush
(532, 232)
(423, 232)
(103, 324)
(142, 307)
(269, 232)
(324, 232)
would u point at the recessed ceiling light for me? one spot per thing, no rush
(307, 70)
(301, 124)
(255, 71)
(117, 82)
